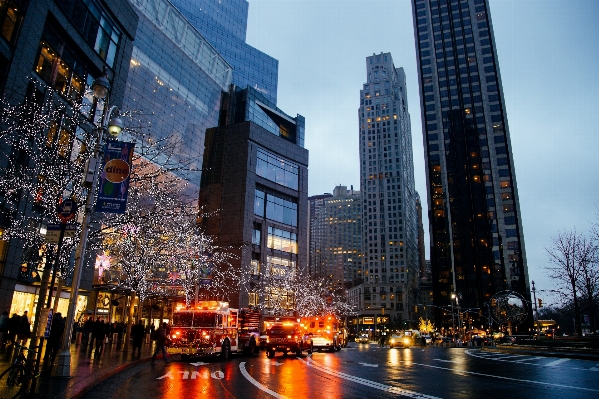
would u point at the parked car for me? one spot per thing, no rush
(507, 340)
(399, 341)
(428, 339)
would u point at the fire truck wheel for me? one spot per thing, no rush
(225, 350)
(299, 351)
(184, 357)
(311, 348)
(333, 347)
(270, 353)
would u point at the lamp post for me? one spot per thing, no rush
(113, 125)
(534, 296)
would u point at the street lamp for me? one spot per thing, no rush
(112, 124)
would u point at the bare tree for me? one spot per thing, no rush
(569, 254)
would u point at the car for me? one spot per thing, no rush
(428, 339)
(362, 339)
(507, 340)
(399, 341)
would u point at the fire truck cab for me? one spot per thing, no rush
(211, 328)
(325, 332)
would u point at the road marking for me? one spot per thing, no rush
(372, 384)
(168, 375)
(257, 384)
(369, 365)
(217, 375)
(502, 378)
(199, 364)
(596, 368)
(447, 361)
(275, 363)
(556, 362)
(529, 359)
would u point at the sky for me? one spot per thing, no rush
(548, 53)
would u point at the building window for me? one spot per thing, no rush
(282, 240)
(277, 169)
(10, 20)
(95, 26)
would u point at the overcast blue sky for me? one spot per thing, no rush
(548, 58)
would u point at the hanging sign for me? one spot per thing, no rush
(114, 177)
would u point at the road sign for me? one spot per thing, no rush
(66, 210)
(53, 232)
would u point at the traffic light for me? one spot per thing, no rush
(540, 302)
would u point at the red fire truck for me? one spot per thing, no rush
(325, 332)
(212, 328)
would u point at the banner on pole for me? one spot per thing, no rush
(114, 177)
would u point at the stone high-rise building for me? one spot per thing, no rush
(389, 220)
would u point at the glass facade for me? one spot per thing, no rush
(477, 243)
(277, 169)
(175, 83)
(224, 25)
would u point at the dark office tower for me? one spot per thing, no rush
(224, 23)
(477, 241)
(255, 191)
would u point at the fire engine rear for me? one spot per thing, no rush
(287, 337)
(212, 328)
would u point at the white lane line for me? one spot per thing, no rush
(504, 378)
(530, 359)
(446, 361)
(368, 383)
(556, 362)
(257, 384)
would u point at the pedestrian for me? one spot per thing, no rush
(98, 335)
(4, 320)
(55, 338)
(137, 333)
(161, 339)
(13, 328)
(23, 329)
(88, 326)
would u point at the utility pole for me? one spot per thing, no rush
(534, 299)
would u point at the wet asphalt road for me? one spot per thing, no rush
(361, 371)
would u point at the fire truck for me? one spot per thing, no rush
(211, 328)
(325, 331)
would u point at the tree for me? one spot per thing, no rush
(571, 254)
(425, 326)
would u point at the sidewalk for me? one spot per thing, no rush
(573, 353)
(87, 369)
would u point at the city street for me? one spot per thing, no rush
(360, 371)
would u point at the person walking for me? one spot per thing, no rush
(13, 328)
(3, 328)
(161, 339)
(98, 335)
(54, 339)
(137, 333)
(24, 329)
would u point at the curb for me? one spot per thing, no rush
(566, 352)
(101, 377)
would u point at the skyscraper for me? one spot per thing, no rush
(477, 241)
(336, 238)
(389, 221)
(224, 23)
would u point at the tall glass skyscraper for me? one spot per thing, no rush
(477, 241)
(389, 220)
(224, 23)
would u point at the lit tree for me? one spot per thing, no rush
(43, 156)
(425, 326)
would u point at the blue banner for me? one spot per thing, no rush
(114, 177)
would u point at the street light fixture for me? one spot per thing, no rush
(112, 124)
